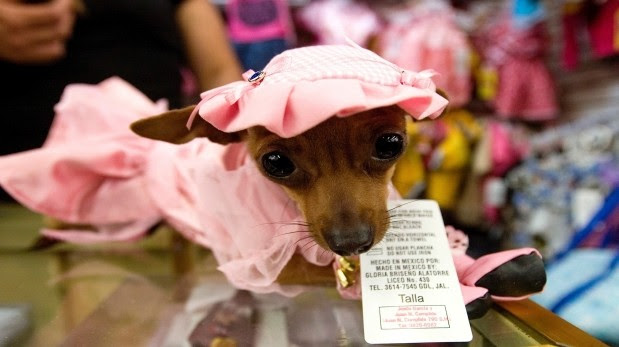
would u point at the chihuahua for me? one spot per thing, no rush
(338, 166)
(338, 172)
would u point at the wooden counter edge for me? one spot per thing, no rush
(548, 324)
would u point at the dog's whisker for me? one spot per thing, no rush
(390, 218)
(293, 232)
(292, 224)
(324, 251)
(307, 243)
(406, 203)
(297, 223)
(310, 247)
(395, 214)
(314, 245)
(284, 224)
(391, 213)
(305, 238)
(391, 221)
(301, 239)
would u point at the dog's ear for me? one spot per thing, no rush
(172, 127)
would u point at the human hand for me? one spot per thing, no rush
(35, 33)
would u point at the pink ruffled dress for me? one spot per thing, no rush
(526, 90)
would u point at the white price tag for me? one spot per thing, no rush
(410, 289)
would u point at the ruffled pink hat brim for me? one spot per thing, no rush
(289, 109)
(306, 86)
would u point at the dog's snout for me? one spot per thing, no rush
(350, 240)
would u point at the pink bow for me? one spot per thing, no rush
(232, 92)
(422, 79)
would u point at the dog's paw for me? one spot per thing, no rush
(518, 277)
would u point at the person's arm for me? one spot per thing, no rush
(35, 33)
(209, 53)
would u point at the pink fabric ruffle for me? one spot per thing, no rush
(90, 163)
(471, 293)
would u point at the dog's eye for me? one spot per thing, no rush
(388, 146)
(277, 165)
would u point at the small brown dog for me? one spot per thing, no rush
(337, 172)
(327, 124)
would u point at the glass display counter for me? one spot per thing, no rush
(164, 291)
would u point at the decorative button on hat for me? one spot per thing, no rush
(257, 77)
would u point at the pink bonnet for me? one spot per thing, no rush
(302, 87)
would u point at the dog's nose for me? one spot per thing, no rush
(351, 240)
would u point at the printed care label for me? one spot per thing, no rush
(409, 285)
